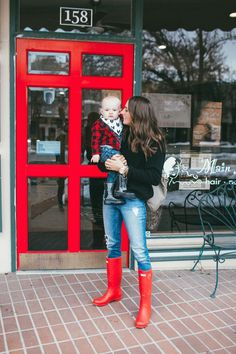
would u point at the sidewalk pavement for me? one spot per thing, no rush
(52, 313)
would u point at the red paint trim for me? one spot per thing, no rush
(75, 82)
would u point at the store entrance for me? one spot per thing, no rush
(58, 192)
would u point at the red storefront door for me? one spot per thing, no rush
(58, 193)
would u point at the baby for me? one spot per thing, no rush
(106, 141)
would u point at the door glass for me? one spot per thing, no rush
(91, 100)
(102, 65)
(47, 218)
(91, 220)
(48, 63)
(47, 125)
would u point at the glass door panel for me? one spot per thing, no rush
(91, 103)
(102, 65)
(91, 217)
(48, 63)
(47, 125)
(92, 234)
(47, 219)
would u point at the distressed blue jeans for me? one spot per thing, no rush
(133, 213)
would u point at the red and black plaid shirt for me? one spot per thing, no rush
(102, 134)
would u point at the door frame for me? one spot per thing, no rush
(53, 259)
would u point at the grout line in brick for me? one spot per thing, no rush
(57, 284)
(17, 321)
(3, 332)
(97, 329)
(42, 311)
(76, 320)
(123, 323)
(63, 323)
(34, 328)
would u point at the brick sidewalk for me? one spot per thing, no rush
(52, 313)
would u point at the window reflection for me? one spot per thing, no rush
(102, 65)
(91, 101)
(91, 219)
(47, 205)
(47, 125)
(48, 63)
(190, 78)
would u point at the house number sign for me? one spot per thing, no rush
(71, 16)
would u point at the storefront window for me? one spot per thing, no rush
(189, 73)
(86, 16)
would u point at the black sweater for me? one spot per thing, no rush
(142, 173)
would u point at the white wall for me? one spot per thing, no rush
(5, 235)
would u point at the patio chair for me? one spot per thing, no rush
(217, 212)
(188, 215)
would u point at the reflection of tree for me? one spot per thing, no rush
(189, 58)
(48, 63)
(192, 63)
(102, 65)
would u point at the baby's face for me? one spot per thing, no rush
(110, 108)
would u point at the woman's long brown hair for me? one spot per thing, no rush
(144, 131)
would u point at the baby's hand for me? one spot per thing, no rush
(95, 158)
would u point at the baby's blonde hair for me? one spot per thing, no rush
(115, 98)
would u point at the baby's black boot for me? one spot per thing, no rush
(108, 194)
(122, 188)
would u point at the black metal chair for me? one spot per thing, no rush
(188, 215)
(217, 212)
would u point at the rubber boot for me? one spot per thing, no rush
(145, 288)
(114, 274)
(122, 188)
(108, 194)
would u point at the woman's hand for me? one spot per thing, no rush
(115, 163)
(121, 157)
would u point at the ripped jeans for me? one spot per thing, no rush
(133, 213)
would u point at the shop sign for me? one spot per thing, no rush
(195, 171)
(48, 147)
(73, 16)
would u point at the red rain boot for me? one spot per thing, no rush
(145, 288)
(114, 274)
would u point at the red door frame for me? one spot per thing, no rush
(75, 82)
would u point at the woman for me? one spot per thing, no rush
(143, 150)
